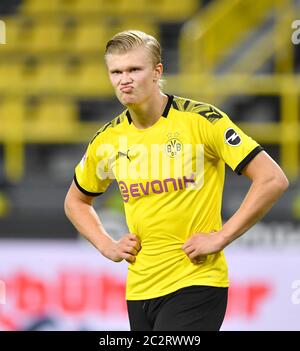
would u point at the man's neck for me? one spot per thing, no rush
(145, 115)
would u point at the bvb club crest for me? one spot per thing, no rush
(174, 147)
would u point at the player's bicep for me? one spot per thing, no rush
(262, 166)
(75, 194)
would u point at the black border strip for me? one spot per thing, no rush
(83, 190)
(178, 340)
(247, 159)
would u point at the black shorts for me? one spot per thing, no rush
(194, 308)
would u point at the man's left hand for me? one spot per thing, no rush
(198, 246)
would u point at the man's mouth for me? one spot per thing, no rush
(126, 89)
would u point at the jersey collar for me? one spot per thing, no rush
(168, 106)
(164, 114)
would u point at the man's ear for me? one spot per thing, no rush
(158, 71)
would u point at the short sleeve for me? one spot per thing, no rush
(87, 176)
(231, 144)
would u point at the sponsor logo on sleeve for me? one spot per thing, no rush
(231, 137)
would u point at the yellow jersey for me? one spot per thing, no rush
(171, 178)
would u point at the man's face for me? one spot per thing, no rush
(133, 76)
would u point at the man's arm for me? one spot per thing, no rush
(268, 184)
(80, 211)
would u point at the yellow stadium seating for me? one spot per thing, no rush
(38, 6)
(172, 10)
(132, 8)
(18, 30)
(55, 112)
(98, 7)
(58, 77)
(93, 79)
(10, 74)
(133, 23)
(158, 9)
(12, 113)
(46, 38)
(90, 37)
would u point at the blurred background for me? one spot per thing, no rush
(241, 55)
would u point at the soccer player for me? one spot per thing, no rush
(168, 155)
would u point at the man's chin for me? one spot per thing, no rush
(128, 100)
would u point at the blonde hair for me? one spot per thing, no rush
(131, 39)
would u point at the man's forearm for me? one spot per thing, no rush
(86, 221)
(260, 198)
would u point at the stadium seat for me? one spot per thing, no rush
(90, 37)
(12, 113)
(93, 79)
(173, 10)
(55, 111)
(10, 74)
(18, 30)
(69, 6)
(133, 8)
(44, 78)
(98, 7)
(12, 116)
(39, 7)
(132, 23)
(47, 38)
(52, 119)
(12, 37)
(112, 8)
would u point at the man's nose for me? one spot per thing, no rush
(125, 79)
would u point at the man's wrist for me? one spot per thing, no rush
(105, 246)
(224, 238)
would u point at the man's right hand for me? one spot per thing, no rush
(124, 249)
